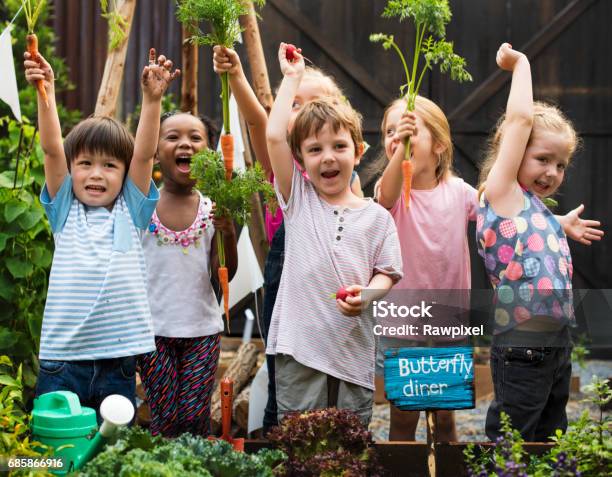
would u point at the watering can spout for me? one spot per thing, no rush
(59, 421)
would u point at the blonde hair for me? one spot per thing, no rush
(546, 118)
(436, 122)
(319, 113)
(315, 73)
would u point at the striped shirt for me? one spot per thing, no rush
(326, 247)
(97, 306)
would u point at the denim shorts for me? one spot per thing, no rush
(90, 380)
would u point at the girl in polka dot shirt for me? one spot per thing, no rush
(527, 258)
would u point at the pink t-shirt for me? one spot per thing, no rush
(434, 244)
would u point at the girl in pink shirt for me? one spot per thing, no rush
(433, 229)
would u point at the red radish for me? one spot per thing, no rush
(342, 294)
(290, 52)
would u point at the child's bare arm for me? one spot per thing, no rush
(276, 132)
(356, 187)
(579, 229)
(226, 60)
(502, 188)
(155, 80)
(392, 179)
(48, 123)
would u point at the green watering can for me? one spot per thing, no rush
(58, 420)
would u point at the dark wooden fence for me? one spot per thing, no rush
(568, 42)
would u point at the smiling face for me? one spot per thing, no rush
(329, 158)
(180, 137)
(97, 179)
(543, 167)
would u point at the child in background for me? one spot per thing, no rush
(432, 231)
(324, 350)
(99, 197)
(181, 252)
(528, 259)
(315, 84)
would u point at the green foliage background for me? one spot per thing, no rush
(26, 243)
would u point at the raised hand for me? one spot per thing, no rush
(507, 57)
(291, 68)
(37, 69)
(406, 127)
(581, 230)
(226, 60)
(157, 76)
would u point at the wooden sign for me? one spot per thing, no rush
(421, 379)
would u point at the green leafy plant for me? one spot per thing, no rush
(232, 198)
(136, 452)
(584, 450)
(15, 421)
(222, 15)
(25, 248)
(430, 18)
(326, 442)
(117, 25)
(26, 243)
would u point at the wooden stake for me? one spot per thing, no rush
(189, 73)
(431, 442)
(106, 105)
(257, 229)
(257, 60)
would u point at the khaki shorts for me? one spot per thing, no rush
(300, 388)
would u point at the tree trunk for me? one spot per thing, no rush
(189, 73)
(106, 105)
(239, 371)
(257, 229)
(257, 60)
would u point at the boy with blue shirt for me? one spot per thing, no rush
(99, 198)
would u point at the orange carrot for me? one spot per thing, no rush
(227, 148)
(407, 173)
(32, 46)
(224, 282)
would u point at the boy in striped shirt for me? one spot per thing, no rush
(98, 197)
(325, 349)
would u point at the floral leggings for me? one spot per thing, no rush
(178, 379)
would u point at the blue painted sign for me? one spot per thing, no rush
(419, 379)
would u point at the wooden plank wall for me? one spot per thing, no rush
(571, 70)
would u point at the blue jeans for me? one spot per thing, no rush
(90, 380)
(532, 386)
(272, 275)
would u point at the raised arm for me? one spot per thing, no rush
(276, 132)
(48, 123)
(155, 80)
(226, 60)
(392, 179)
(502, 187)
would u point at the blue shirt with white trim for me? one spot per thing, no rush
(97, 305)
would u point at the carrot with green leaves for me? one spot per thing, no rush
(231, 198)
(430, 18)
(31, 10)
(223, 17)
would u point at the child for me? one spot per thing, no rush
(99, 197)
(432, 231)
(181, 252)
(314, 85)
(333, 238)
(528, 259)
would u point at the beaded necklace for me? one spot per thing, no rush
(187, 237)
